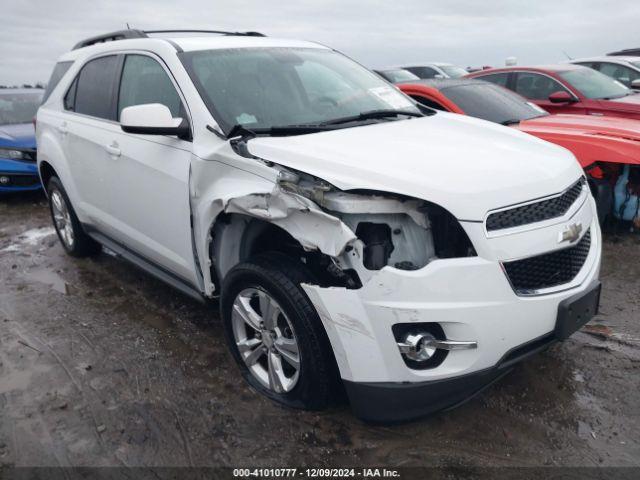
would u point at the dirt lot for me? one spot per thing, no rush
(102, 365)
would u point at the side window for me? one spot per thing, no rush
(619, 72)
(70, 97)
(145, 81)
(428, 102)
(423, 72)
(58, 72)
(537, 87)
(94, 88)
(593, 65)
(497, 78)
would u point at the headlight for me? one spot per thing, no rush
(17, 154)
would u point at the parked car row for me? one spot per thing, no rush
(357, 239)
(595, 113)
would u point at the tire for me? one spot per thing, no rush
(277, 277)
(73, 238)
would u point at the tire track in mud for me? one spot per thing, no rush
(129, 357)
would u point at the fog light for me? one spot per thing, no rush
(418, 346)
(4, 180)
(421, 346)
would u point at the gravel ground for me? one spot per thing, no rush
(101, 365)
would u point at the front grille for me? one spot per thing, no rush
(536, 212)
(20, 180)
(548, 270)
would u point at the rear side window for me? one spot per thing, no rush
(145, 81)
(58, 72)
(497, 78)
(623, 74)
(94, 89)
(423, 72)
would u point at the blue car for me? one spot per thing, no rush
(18, 168)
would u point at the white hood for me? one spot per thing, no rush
(463, 164)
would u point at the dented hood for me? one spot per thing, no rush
(463, 164)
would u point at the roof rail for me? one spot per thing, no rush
(219, 32)
(110, 37)
(131, 33)
(631, 52)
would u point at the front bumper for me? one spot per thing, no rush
(470, 298)
(23, 176)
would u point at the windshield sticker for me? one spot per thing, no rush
(245, 118)
(391, 97)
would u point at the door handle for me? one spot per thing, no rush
(113, 149)
(62, 128)
(596, 114)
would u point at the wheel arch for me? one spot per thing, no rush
(46, 171)
(236, 237)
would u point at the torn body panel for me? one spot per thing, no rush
(358, 231)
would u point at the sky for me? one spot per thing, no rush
(376, 33)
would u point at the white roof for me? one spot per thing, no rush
(427, 64)
(607, 58)
(418, 64)
(209, 42)
(190, 43)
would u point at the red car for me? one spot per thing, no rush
(601, 145)
(567, 88)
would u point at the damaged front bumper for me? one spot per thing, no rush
(470, 298)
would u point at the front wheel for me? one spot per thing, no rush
(73, 238)
(275, 334)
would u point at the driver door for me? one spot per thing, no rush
(150, 173)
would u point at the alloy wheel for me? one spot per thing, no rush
(62, 218)
(266, 340)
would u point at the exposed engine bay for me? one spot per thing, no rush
(343, 237)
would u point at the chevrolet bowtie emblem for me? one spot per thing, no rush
(571, 233)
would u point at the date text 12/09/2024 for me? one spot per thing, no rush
(315, 473)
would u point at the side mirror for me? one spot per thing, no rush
(561, 97)
(152, 119)
(636, 84)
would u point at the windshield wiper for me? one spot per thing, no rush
(373, 114)
(242, 131)
(511, 121)
(239, 130)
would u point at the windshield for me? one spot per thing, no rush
(398, 75)
(260, 88)
(595, 85)
(493, 103)
(453, 71)
(19, 107)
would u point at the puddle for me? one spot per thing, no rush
(29, 238)
(50, 278)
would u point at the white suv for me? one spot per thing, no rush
(356, 240)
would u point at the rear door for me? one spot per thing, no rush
(149, 190)
(88, 129)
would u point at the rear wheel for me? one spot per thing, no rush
(275, 334)
(73, 238)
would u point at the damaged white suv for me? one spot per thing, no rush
(357, 241)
